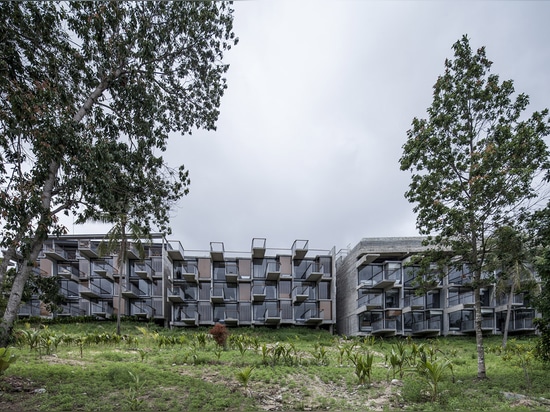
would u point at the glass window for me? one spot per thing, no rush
(392, 298)
(324, 290)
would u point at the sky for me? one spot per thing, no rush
(320, 97)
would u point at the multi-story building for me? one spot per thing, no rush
(378, 294)
(178, 288)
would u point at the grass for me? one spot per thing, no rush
(153, 368)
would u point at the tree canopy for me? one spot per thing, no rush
(90, 92)
(476, 161)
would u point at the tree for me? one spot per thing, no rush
(513, 266)
(82, 85)
(474, 162)
(540, 230)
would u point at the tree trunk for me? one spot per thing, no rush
(24, 268)
(481, 372)
(508, 315)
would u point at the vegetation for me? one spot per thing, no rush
(475, 164)
(150, 368)
(91, 92)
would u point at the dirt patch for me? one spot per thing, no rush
(15, 392)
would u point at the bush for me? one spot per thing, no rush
(220, 334)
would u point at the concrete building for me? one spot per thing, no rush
(180, 288)
(377, 294)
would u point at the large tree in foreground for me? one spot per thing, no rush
(474, 162)
(84, 85)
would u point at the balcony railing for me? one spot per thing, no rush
(131, 291)
(142, 310)
(258, 293)
(273, 271)
(102, 309)
(68, 272)
(103, 269)
(469, 325)
(88, 248)
(466, 299)
(414, 302)
(217, 295)
(313, 316)
(186, 273)
(522, 324)
(384, 326)
(142, 270)
(313, 273)
(430, 325)
(176, 295)
(300, 293)
(370, 301)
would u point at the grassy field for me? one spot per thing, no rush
(87, 367)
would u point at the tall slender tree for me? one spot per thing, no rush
(474, 162)
(82, 84)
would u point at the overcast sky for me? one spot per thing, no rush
(320, 97)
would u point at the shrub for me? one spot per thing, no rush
(220, 334)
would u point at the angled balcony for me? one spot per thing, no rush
(176, 295)
(258, 248)
(186, 317)
(258, 293)
(90, 293)
(272, 317)
(103, 269)
(313, 317)
(430, 327)
(384, 327)
(102, 309)
(412, 302)
(300, 294)
(273, 271)
(217, 295)
(54, 252)
(522, 325)
(131, 291)
(517, 301)
(370, 301)
(468, 326)
(314, 272)
(231, 317)
(142, 270)
(299, 249)
(88, 248)
(68, 272)
(174, 250)
(132, 252)
(142, 310)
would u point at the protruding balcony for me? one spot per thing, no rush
(313, 317)
(217, 295)
(186, 272)
(68, 272)
(314, 272)
(258, 248)
(272, 317)
(300, 294)
(522, 325)
(217, 251)
(176, 295)
(142, 270)
(369, 302)
(186, 317)
(131, 291)
(412, 302)
(54, 252)
(90, 293)
(102, 309)
(384, 327)
(273, 271)
(132, 252)
(174, 250)
(468, 326)
(258, 293)
(88, 248)
(366, 259)
(430, 327)
(299, 249)
(141, 310)
(231, 317)
(103, 269)
(231, 272)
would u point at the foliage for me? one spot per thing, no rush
(244, 375)
(133, 400)
(6, 359)
(432, 372)
(474, 162)
(220, 334)
(90, 94)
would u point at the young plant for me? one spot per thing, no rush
(363, 367)
(6, 359)
(243, 376)
(432, 372)
(220, 334)
(134, 392)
